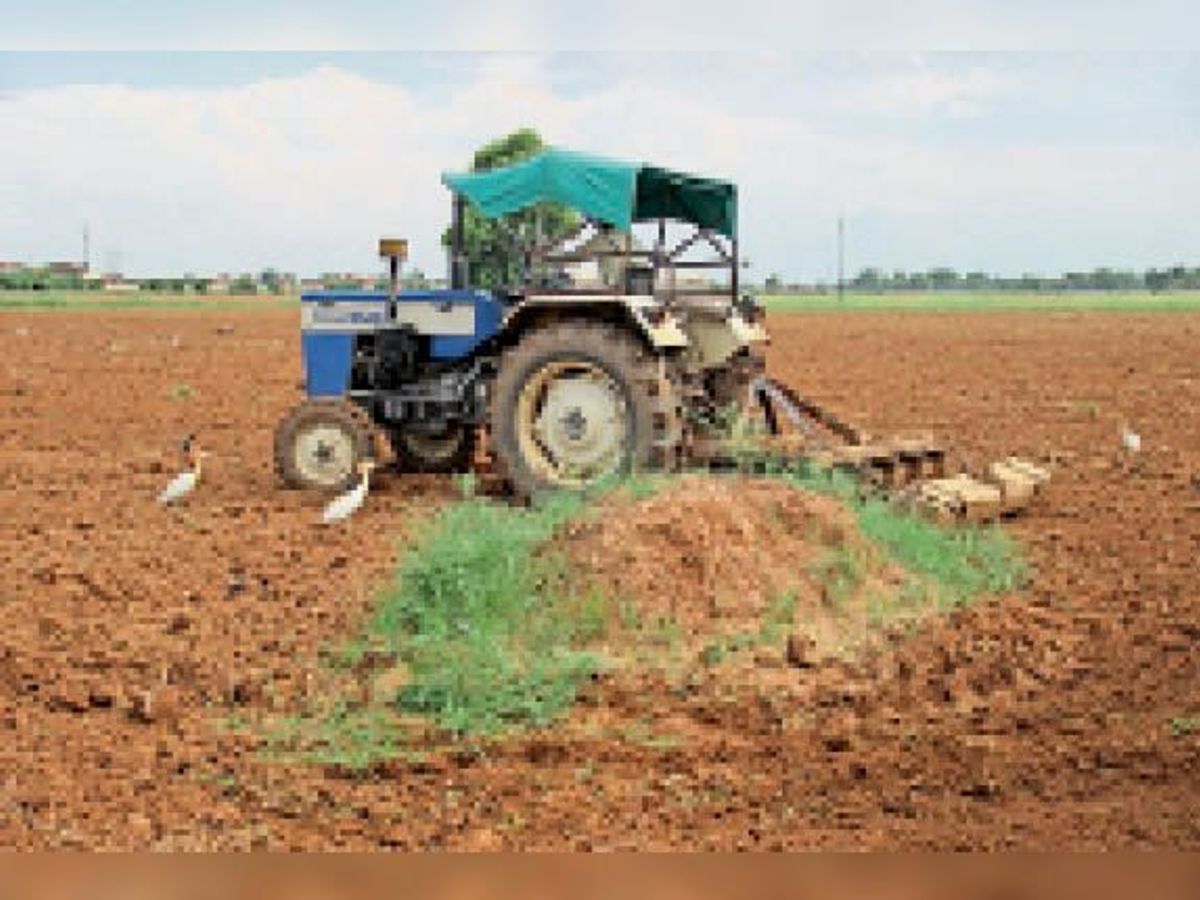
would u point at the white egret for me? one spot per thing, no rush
(1130, 439)
(347, 504)
(185, 482)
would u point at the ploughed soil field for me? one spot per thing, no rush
(134, 639)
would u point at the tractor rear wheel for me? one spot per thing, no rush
(576, 403)
(320, 443)
(446, 453)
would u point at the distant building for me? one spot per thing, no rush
(67, 268)
(109, 281)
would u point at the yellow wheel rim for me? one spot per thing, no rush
(572, 423)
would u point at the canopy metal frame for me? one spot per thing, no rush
(661, 258)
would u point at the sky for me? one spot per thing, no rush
(292, 140)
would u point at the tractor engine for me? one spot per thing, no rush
(387, 360)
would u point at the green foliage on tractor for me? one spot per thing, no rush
(493, 245)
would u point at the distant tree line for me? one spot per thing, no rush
(40, 279)
(876, 281)
(868, 281)
(35, 278)
(268, 281)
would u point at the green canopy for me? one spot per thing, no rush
(612, 191)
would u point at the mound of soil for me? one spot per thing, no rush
(727, 556)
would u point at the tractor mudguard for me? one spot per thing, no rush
(658, 326)
(714, 340)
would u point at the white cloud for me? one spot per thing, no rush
(922, 90)
(305, 172)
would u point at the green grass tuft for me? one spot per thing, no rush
(354, 739)
(963, 562)
(958, 563)
(482, 621)
(1181, 726)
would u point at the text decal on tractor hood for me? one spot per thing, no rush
(328, 315)
(366, 315)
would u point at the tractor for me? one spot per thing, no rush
(623, 345)
(606, 357)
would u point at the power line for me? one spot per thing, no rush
(841, 256)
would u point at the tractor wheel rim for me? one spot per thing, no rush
(325, 455)
(572, 423)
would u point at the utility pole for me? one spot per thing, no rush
(86, 247)
(841, 251)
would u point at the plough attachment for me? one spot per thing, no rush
(1005, 488)
(911, 470)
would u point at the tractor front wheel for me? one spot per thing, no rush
(320, 444)
(576, 403)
